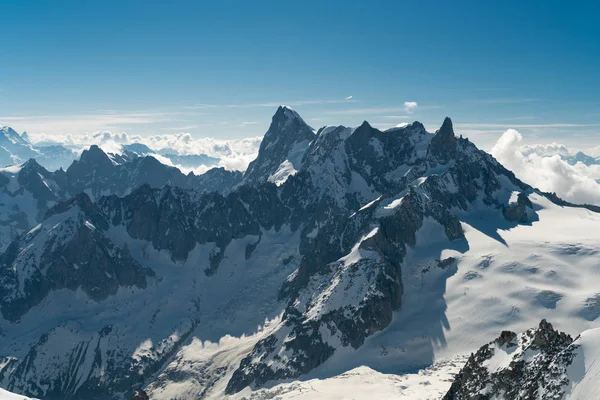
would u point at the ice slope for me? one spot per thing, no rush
(584, 371)
(364, 383)
(5, 395)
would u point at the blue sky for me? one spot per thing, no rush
(220, 68)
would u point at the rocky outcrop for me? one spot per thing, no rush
(518, 367)
(518, 211)
(140, 395)
(443, 143)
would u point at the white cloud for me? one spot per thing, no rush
(410, 106)
(549, 173)
(546, 150)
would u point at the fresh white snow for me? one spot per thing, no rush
(6, 395)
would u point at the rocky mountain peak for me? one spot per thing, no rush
(8, 133)
(95, 156)
(443, 143)
(288, 122)
(286, 140)
(31, 165)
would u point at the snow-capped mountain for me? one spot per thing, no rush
(564, 153)
(13, 148)
(539, 363)
(282, 149)
(387, 250)
(98, 173)
(28, 190)
(16, 149)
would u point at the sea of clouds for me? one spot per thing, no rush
(234, 154)
(544, 167)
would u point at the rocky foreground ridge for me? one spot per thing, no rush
(540, 363)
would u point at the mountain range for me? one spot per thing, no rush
(339, 248)
(17, 148)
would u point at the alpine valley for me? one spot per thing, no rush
(344, 263)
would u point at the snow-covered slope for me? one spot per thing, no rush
(364, 383)
(4, 395)
(389, 250)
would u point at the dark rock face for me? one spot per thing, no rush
(541, 374)
(98, 175)
(140, 395)
(517, 212)
(443, 144)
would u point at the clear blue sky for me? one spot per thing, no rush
(219, 68)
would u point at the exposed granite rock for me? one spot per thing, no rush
(535, 367)
(140, 394)
(517, 212)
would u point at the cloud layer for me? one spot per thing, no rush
(234, 154)
(541, 166)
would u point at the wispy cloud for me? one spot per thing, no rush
(523, 118)
(272, 104)
(379, 110)
(524, 126)
(183, 128)
(410, 106)
(89, 122)
(503, 101)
